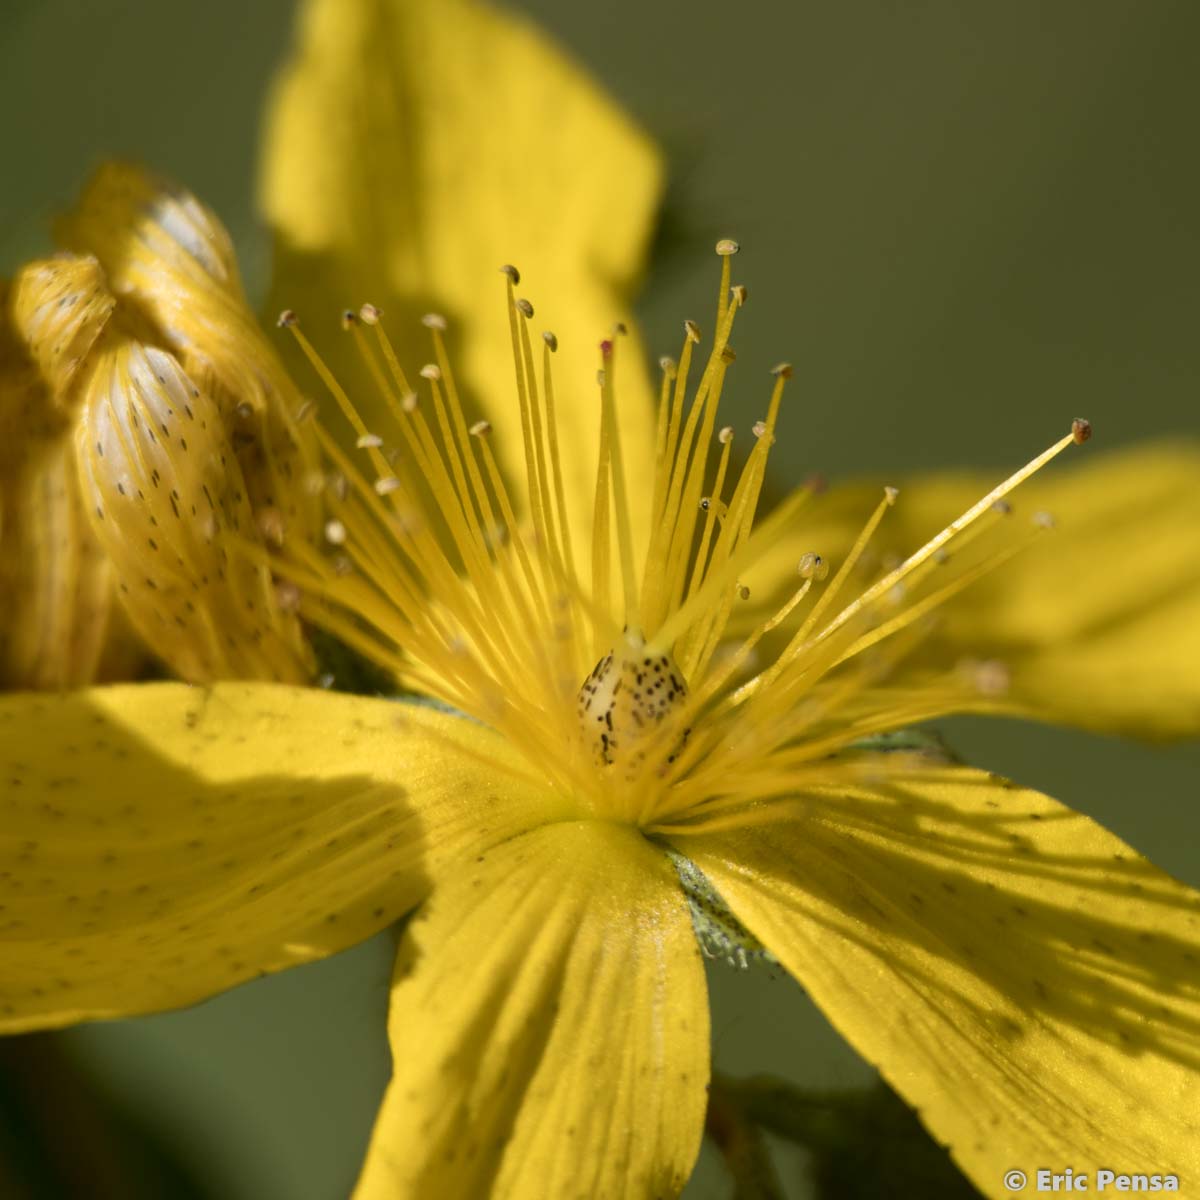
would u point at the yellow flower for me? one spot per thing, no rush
(1024, 979)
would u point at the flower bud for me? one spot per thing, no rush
(154, 443)
(171, 258)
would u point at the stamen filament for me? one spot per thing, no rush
(931, 547)
(851, 561)
(620, 491)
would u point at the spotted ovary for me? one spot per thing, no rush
(628, 694)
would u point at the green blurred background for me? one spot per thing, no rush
(965, 223)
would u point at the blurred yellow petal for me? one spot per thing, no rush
(549, 1028)
(416, 145)
(60, 624)
(160, 843)
(1096, 625)
(1024, 979)
(61, 306)
(170, 258)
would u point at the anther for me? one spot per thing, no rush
(349, 320)
(386, 485)
(481, 429)
(270, 525)
(287, 595)
(705, 503)
(1003, 508)
(369, 441)
(512, 272)
(620, 329)
(1044, 520)
(369, 314)
(524, 307)
(550, 341)
(941, 556)
(409, 402)
(758, 428)
(430, 371)
(692, 330)
(725, 435)
(243, 412)
(1081, 430)
(890, 494)
(335, 533)
(726, 247)
(728, 354)
(739, 294)
(743, 592)
(782, 370)
(338, 485)
(988, 677)
(812, 566)
(287, 319)
(313, 483)
(670, 368)
(434, 321)
(606, 349)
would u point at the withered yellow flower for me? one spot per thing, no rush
(571, 573)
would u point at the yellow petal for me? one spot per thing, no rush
(1098, 623)
(60, 624)
(160, 843)
(413, 147)
(1023, 978)
(549, 1028)
(169, 256)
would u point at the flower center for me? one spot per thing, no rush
(463, 581)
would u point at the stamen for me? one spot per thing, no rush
(682, 473)
(955, 527)
(830, 593)
(560, 494)
(726, 249)
(717, 582)
(519, 312)
(620, 492)
(677, 374)
(601, 575)
(725, 438)
(735, 530)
